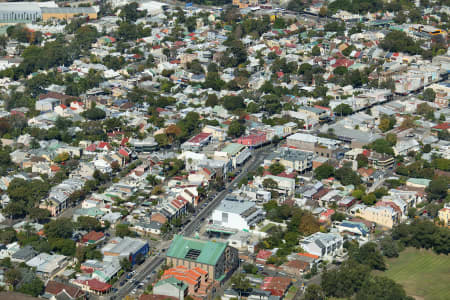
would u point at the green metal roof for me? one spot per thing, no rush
(174, 282)
(204, 252)
(233, 148)
(419, 181)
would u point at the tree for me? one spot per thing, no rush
(314, 292)
(212, 100)
(269, 183)
(94, 113)
(381, 146)
(386, 123)
(389, 247)
(13, 276)
(391, 138)
(429, 95)
(315, 51)
(232, 103)
(369, 199)
(88, 223)
(59, 228)
(347, 176)
(276, 168)
(236, 129)
(437, 189)
(122, 230)
(324, 171)
(125, 264)
(345, 281)
(368, 254)
(129, 12)
(399, 41)
(62, 157)
(39, 215)
(362, 160)
(343, 110)
(153, 180)
(250, 269)
(64, 246)
(380, 287)
(308, 225)
(240, 283)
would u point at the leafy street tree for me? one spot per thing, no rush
(122, 230)
(125, 264)
(429, 95)
(343, 110)
(236, 129)
(240, 283)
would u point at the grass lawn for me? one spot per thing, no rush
(422, 273)
(291, 293)
(267, 227)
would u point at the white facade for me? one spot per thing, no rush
(237, 214)
(324, 245)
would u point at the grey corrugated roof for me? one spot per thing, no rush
(68, 10)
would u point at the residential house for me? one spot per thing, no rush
(324, 245)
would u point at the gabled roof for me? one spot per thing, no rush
(54, 288)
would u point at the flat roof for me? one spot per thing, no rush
(233, 148)
(205, 252)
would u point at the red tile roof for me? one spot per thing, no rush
(263, 254)
(442, 126)
(54, 288)
(92, 236)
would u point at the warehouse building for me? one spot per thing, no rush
(67, 12)
(20, 12)
(27, 12)
(216, 258)
(126, 247)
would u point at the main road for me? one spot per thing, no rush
(152, 264)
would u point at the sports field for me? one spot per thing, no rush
(423, 274)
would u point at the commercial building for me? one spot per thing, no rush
(171, 287)
(237, 153)
(126, 247)
(65, 13)
(217, 258)
(27, 12)
(197, 142)
(296, 160)
(47, 265)
(239, 215)
(19, 12)
(320, 146)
